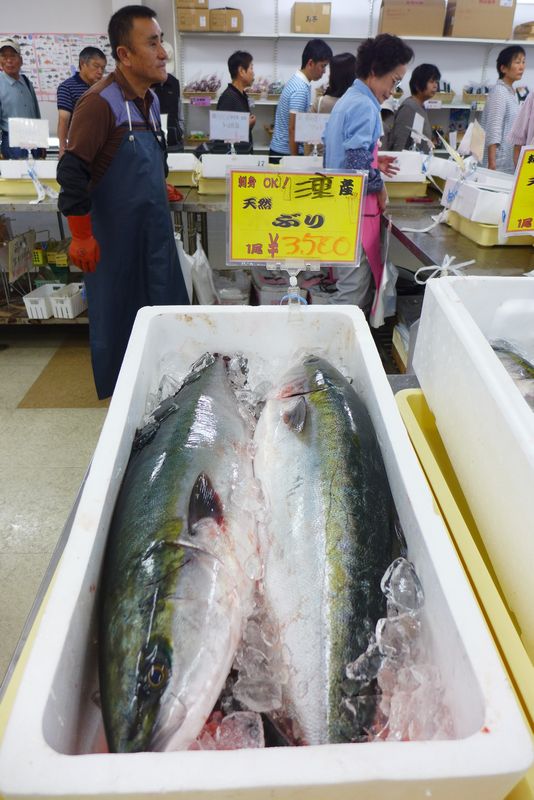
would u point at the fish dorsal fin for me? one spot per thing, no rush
(295, 417)
(204, 502)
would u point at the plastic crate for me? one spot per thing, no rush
(428, 444)
(69, 302)
(483, 234)
(39, 302)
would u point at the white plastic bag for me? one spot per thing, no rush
(186, 263)
(202, 276)
(385, 301)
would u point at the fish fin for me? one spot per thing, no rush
(144, 435)
(295, 417)
(204, 502)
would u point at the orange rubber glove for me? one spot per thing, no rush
(84, 249)
(173, 194)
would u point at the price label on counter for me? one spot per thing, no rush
(520, 216)
(309, 128)
(230, 126)
(285, 216)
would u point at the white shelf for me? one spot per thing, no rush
(187, 101)
(354, 37)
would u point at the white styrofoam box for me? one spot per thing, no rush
(410, 164)
(46, 749)
(485, 423)
(39, 302)
(301, 163)
(442, 168)
(215, 165)
(19, 169)
(183, 162)
(69, 302)
(474, 202)
(492, 178)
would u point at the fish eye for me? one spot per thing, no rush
(157, 676)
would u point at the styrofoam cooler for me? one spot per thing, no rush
(485, 423)
(48, 747)
(38, 303)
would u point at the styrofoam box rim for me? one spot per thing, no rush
(492, 452)
(495, 755)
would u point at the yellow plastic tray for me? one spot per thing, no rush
(23, 187)
(182, 178)
(406, 188)
(485, 235)
(437, 467)
(212, 186)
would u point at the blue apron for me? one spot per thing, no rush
(139, 263)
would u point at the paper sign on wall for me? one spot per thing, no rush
(520, 216)
(230, 126)
(284, 216)
(309, 128)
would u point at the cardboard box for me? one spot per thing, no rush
(311, 18)
(480, 19)
(412, 17)
(192, 19)
(202, 4)
(48, 747)
(227, 20)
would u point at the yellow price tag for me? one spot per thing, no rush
(520, 217)
(278, 216)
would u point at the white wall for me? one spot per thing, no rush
(458, 63)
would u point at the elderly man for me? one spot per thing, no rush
(92, 63)
(113, 193)
(17, 96)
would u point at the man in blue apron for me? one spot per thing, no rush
(113, 193)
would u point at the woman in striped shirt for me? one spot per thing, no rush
(501, 110)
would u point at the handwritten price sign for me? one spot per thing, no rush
(275, 216)
(520, 217)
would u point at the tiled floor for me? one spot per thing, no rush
(43, 458)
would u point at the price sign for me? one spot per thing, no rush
(285, 216)
(230, 126)
(309, 128)
(520, 216)
(20, 250)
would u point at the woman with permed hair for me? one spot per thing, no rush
(351, 142)
(501, 110)
(423, 86)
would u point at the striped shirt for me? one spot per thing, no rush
(296, 96)
(523, 128)
(498, 118)
(70, 91)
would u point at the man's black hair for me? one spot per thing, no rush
(121, 24)
(238, 59)
(316, 50)
(89, 53)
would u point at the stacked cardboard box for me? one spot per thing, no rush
(311, 18)
(480, 19)
(412, 17)
(226, 20)
(192, 15)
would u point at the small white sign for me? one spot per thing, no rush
(309, 128)
(28, 133)
(417, 127)
(230, 126)
(432, 103)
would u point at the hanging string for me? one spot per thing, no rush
(442, 271)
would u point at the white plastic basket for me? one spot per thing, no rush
(69, 301)
(39, 302)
